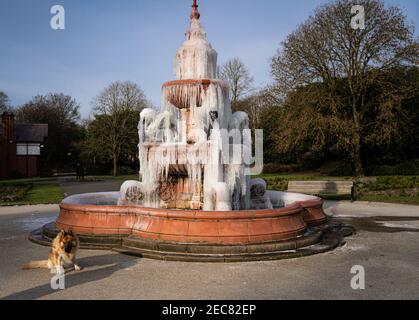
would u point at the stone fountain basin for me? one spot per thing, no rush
(98, 214)
(298, 229)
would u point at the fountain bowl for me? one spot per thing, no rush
(299, 228)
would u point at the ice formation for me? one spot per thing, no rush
(193, 154)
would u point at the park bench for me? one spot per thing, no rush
(323, 188)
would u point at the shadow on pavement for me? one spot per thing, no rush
(73, 279)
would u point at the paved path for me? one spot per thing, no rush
(386, 247)
(370, 209)
(71, 186)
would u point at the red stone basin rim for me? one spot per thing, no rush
(185, 226)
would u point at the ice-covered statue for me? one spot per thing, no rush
(196, 153)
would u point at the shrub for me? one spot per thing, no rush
(336, 169)
(16, 175)
(272, 168)
(407, 168)
(387, 183)
(99, 169)
(125, 170)
(13, 193)
(277, 183)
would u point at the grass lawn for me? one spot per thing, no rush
(45, 193)
(414, 200)
(302, 177)
(26, 181)
(392, 189)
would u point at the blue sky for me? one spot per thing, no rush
(108, 40)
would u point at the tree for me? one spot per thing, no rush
(270, 122)
(117, 113)
(4, 102)
(335, 69)
(254, 105)
(393, 135)
(239, 79)
(61, 113)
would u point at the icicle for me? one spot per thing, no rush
(196, 59)
(185, 137)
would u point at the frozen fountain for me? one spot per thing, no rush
(195, 199)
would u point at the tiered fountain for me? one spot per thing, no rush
(195, 200)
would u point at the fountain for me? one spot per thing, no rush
(195, 200)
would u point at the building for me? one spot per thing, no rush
(21, 147)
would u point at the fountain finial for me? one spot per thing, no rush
(195, 13)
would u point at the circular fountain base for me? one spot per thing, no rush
(298, 229)
(315, 241)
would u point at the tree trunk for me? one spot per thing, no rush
(115, 166)
(356, 156)
(356, 140)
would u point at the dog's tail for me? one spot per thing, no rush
(36, 265)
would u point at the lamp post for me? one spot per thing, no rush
(40, 162)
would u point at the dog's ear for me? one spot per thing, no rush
(70, 233)
(61, 233)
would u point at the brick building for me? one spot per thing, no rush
(21, 146)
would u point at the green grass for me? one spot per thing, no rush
(47, 193)
(390, 199)
(302, 177)
(314, 177)
(391, 189)
(26, 181)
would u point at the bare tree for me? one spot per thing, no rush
(114, 109)
(238, 77)
(254, 105)
(326, 50)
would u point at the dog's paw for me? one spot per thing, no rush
(77, 268)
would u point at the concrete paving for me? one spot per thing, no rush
(385, 245)
(369, 209)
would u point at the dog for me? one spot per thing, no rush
(64, 250)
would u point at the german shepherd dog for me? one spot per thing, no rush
(64, 250)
